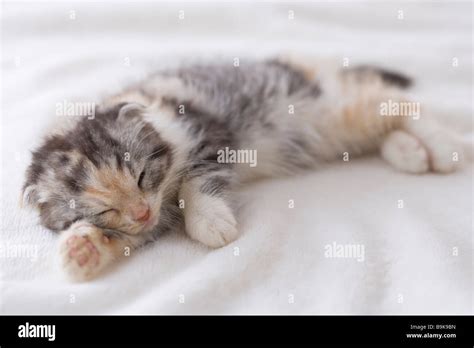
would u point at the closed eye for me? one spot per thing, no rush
(105, 211)
(140, 178)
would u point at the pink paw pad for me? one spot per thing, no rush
(82, 251)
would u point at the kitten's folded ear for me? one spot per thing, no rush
(29, 196)
(129, 111)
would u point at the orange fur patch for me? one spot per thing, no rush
(129, 96)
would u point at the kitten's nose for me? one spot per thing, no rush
(140, 212)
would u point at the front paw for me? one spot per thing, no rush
(210, 221)
(84, 251)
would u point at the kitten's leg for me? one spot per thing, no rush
(411, 145)
(208, 216)
(86, 251)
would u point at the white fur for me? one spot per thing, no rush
(445, 150)
(208, 219)
(404, 152)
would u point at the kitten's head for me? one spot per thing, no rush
(109, 170)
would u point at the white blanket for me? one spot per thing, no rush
(411, 235)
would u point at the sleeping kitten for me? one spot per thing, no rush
(150, 161)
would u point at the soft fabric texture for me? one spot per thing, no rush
(416, 231)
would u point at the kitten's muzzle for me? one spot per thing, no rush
(141, 212)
